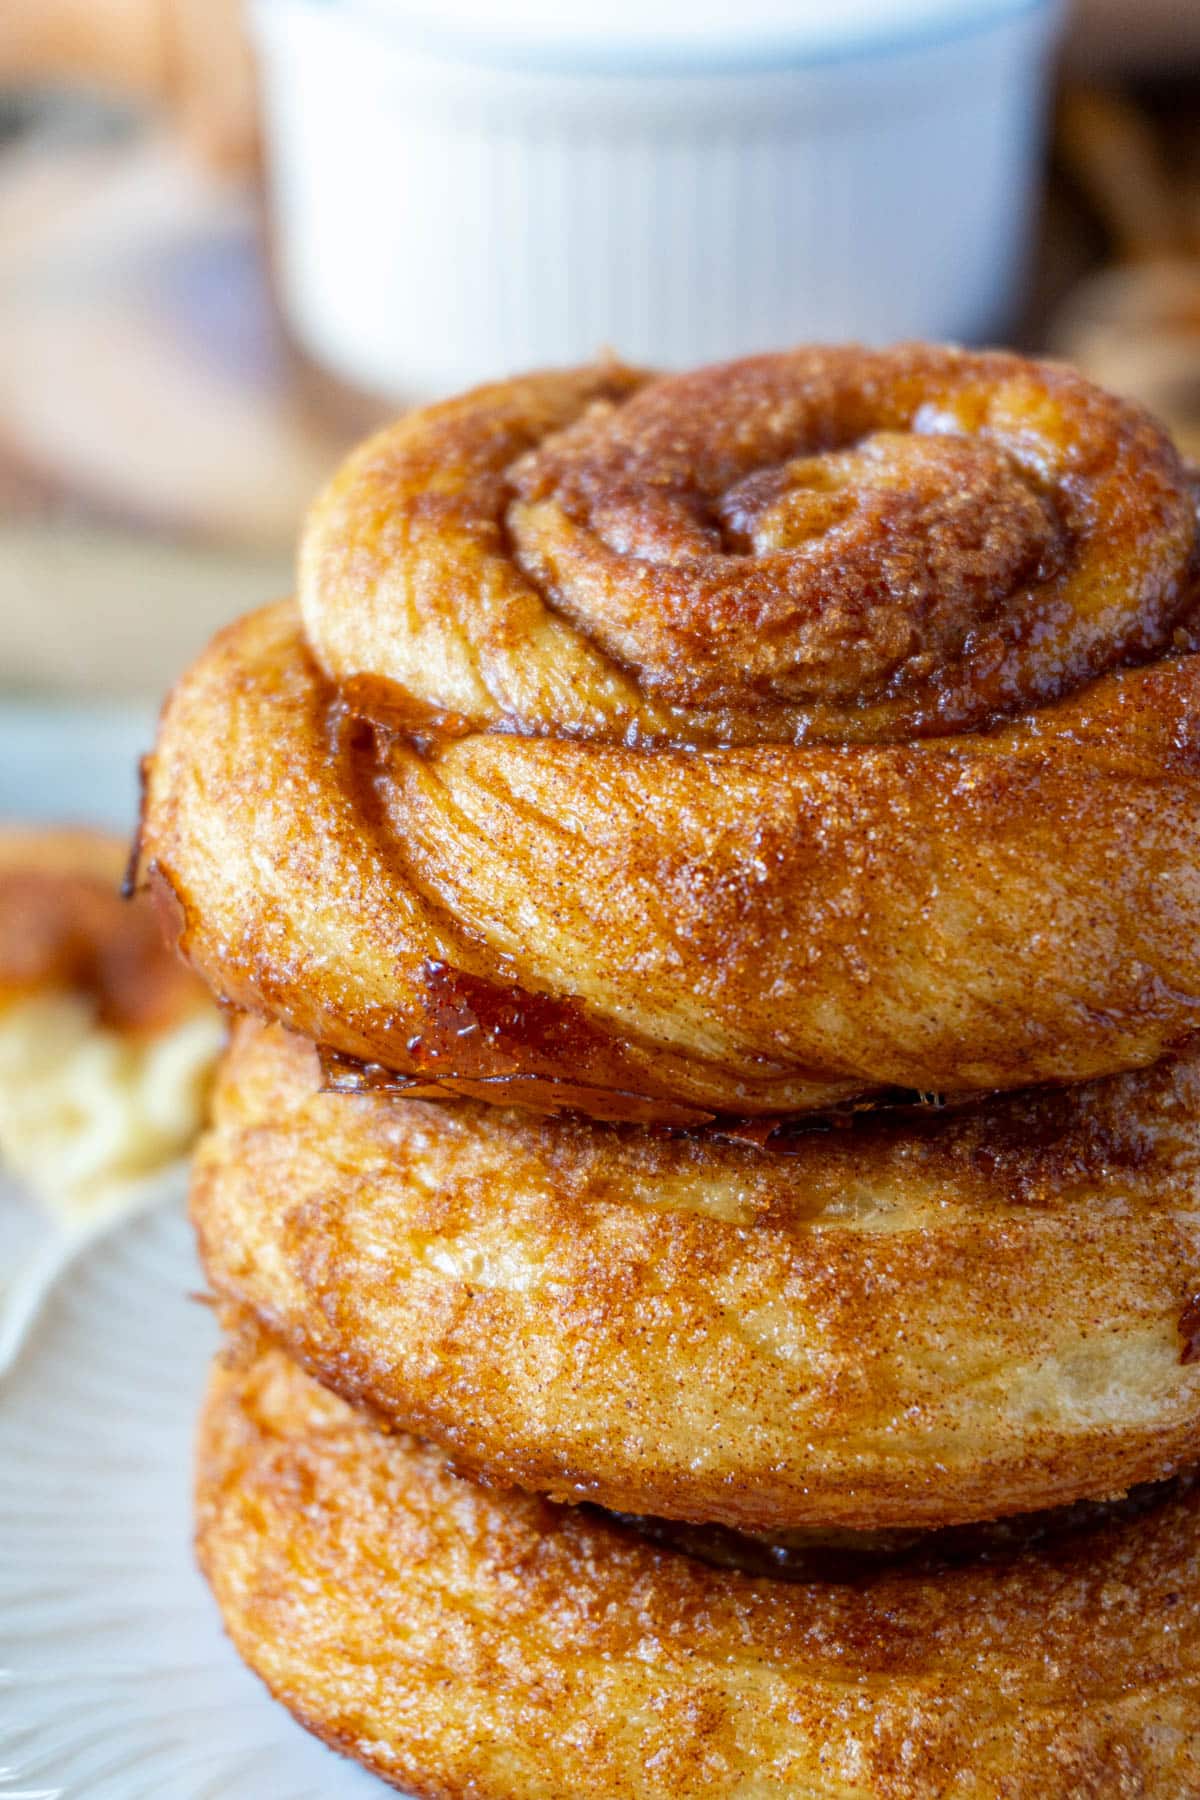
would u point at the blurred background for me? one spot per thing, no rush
(232, 239)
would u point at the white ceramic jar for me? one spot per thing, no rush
(464, 192)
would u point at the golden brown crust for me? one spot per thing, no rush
(806, 837)
(900, 1322)
(841, 543)
(459, 1641)
(743, 931)
(64, 927)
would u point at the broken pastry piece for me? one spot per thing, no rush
(107, 1043)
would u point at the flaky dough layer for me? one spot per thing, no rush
(904, 1321)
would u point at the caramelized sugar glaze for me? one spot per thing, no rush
(732, 743)
(461, 1641)
(64, 928)
(902, 1322)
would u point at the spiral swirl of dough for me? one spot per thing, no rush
(738, 742)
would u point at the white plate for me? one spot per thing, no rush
(116, 1681)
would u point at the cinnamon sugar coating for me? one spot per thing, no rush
(671, 934)
(458, 1641)
(844, 544)
(734, 743)
(907, 1321)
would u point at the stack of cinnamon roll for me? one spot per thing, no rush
(704, 1181)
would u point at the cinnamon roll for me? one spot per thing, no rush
(789, 776)
(907, 1321)
(459, 1641)
(734, 743)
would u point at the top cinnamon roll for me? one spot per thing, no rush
(738, 742)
